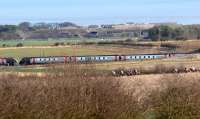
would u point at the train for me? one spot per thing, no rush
(90, 58)
(7, 61)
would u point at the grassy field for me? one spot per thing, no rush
(42, 42)
(50, 42)
(18, 53)
(46, 50)
(33, 52)
(43, 50)
(182, 46)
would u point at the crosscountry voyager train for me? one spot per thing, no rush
(7, 61)
(90, 58)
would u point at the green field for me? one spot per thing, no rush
(18, 53)
(42, 42)
(50, 42)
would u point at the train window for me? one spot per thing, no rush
(149, 57)
(103, 58)
(144, 57)
(120, 58)
(139, 57)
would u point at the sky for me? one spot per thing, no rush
(85, 12)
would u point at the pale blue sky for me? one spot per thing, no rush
(99, 11)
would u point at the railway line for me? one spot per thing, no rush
(84, 59)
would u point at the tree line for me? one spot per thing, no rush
(27, 30)
(181, 32)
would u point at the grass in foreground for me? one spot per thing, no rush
(75, 92)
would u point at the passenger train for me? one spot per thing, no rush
(7, 61)
(90, 58)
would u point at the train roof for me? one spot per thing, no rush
(104, 55)
(6, 58)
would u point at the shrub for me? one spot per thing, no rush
(62, 43)
(56, 44)
(19, 45)
(178, 100)
(71, 91)
(82, 92)
(128, 40)
(59, 44)
(4, 45)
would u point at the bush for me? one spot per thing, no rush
(4, 45)
(62, 43)
(82, 92)
(59, 44)
(179, 100)
(56, 44)
(71, 91)
(19, 45)
(128, 40)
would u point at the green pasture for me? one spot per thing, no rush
(49, 42)
(42, 42)
(19, 53)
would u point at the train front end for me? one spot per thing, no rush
(8, 62)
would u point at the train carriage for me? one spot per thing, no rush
(3, 61)
(7, 62)
(145, 56)
(90, 58)
(46, 60)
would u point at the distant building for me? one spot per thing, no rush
(93, 26)
(165, 23)
(92, 34)
(106, 26)
(144, 34)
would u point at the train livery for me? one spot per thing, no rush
(7, 62)
(89, 58)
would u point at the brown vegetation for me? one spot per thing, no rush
(75, 92)
(157, 69)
